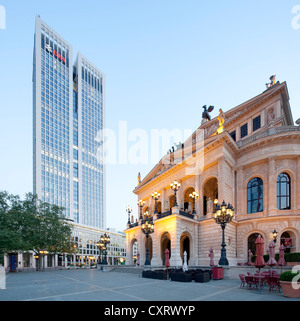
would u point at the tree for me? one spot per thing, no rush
(32, 225)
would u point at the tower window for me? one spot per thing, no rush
(244, 130)
(256, 123)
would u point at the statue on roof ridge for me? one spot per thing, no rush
(272, 83)
(205, 115)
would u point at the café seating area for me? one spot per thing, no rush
(266, 280)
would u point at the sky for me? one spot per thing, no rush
(162, 59)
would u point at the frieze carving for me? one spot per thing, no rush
(285, 163)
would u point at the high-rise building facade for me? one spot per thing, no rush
(68, 117)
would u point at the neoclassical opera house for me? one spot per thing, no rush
(249, 157)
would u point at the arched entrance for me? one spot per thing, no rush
(188, 202)
(159, 207)
(134, 251)
(251, 242)
(288, 239)
(165, 244)
(210, 194)
(185, 246)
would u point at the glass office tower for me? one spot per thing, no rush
(68, 115)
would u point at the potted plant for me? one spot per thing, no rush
(289, 284)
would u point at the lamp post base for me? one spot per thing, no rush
(223, 261)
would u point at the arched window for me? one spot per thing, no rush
(283, 192)
(255, 195)
(251, 243)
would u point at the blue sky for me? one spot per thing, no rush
(163, 61)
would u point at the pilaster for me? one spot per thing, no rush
(272, 188)
(221, 181)
(298, 183)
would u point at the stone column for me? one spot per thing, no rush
(240, 194)
(155, 249)
(6, 261)
(221, 183)
(128, 251)
(45, 261)
(298, 183)
(270, 204)
(20, 261)
(175, 259)
(142, 247)
(179, 197)
(163, 200)
(32, 261)
(198, 201)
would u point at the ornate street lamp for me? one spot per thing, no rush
(101, 247)
(194, 196)
(275, 234)
(129, 211)
(104, 240)
(156, 197)
(141, 205)
(175, 186)
(223, 215)
(147, 229)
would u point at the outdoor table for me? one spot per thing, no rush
(262, 279)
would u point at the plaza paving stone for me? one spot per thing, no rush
(95, 285)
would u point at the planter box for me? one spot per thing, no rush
(288, 290)
(159, 275)
(202, 277)
(181, 277)
(148, 274)
(292, 263)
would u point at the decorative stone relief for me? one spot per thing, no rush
(256, 169)
(271, 116)
(285, 163)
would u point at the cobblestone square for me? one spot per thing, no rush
(95, 285)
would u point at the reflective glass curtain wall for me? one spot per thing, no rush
(68, 114)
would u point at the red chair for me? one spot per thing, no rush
(250, 280)
(249, 274)
(243, 280)
(274, 284)
(262, 280)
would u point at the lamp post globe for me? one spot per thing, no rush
(156, 197)
(129, 211)
(141, 204)
(175, 186)
(103, 242)
(194, 196)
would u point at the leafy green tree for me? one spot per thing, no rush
(32, 225)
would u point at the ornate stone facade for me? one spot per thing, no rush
(254, 164)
